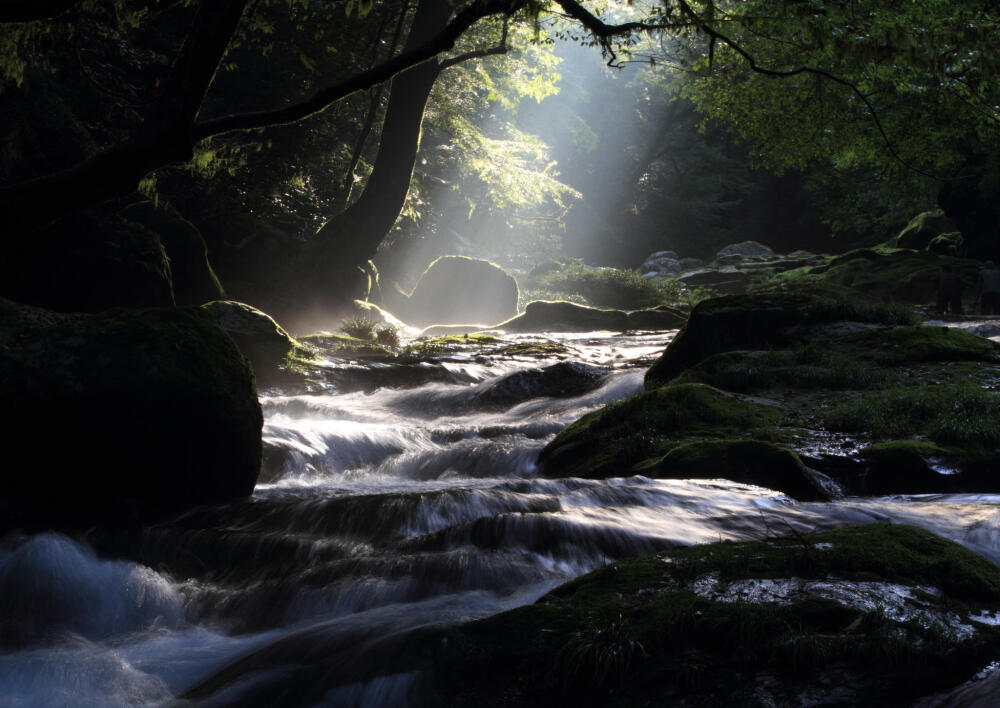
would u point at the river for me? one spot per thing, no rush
(384, 510)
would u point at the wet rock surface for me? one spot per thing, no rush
(774, 387)
(156, 410)
(864, 615)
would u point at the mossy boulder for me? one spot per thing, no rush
(924, 228)
(610, 441)
(898, 275)
(563, 316)
(566, 378)
(948, 244)
(87, 263)
(459, 290)
(864, 615)
(147, 410)
(755, 462)
(262, 340)
(756, 321)
(656, 318)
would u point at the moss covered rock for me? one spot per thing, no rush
(460, 290)
(756, 321)
(562, 316)
(608, 442)
(262, 340)
(923, 228)
(87, 263)
(746, 461)
(656, 318)
(866, 615)
(147, 409)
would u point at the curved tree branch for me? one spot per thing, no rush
(323, 99)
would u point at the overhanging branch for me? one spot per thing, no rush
(323, 99)
(716, 35)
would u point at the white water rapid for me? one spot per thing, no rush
(384, 511)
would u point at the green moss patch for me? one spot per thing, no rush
(915, 344)
(962, 415)
(747, 461)
(808, 368)
(608, 442)
(647, 630)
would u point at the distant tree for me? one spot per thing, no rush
(909, 88)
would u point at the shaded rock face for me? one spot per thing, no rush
(924, 228)
(722, 324)
(259, 337)
(567, 378)
(729, 281)
(194, 280)
(87, 263)
(841, 617)
(562, 316)
(460, 290)
(127, 410)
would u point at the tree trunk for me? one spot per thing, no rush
(350, 239)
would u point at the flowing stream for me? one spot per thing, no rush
(385, 510)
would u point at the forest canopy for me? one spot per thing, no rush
(312, 130)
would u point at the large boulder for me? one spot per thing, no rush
(460, 290)
(87, 263)
(259, 337)
(924, 228)
(126, 410)
(562, 316)
(758, 321)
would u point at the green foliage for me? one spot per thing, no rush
(927, 70)
(360, 327)
(946, 414)
(386, 335)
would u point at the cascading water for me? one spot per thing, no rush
(384, 511)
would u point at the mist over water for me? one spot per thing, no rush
(386, 513)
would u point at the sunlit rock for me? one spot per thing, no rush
(459, 290)
(154, 409)
(562, 316)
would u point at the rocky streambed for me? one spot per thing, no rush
(793, 505)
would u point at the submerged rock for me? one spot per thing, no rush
(745, 249)
(459, 290)
(567, 378)
(153, 409)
